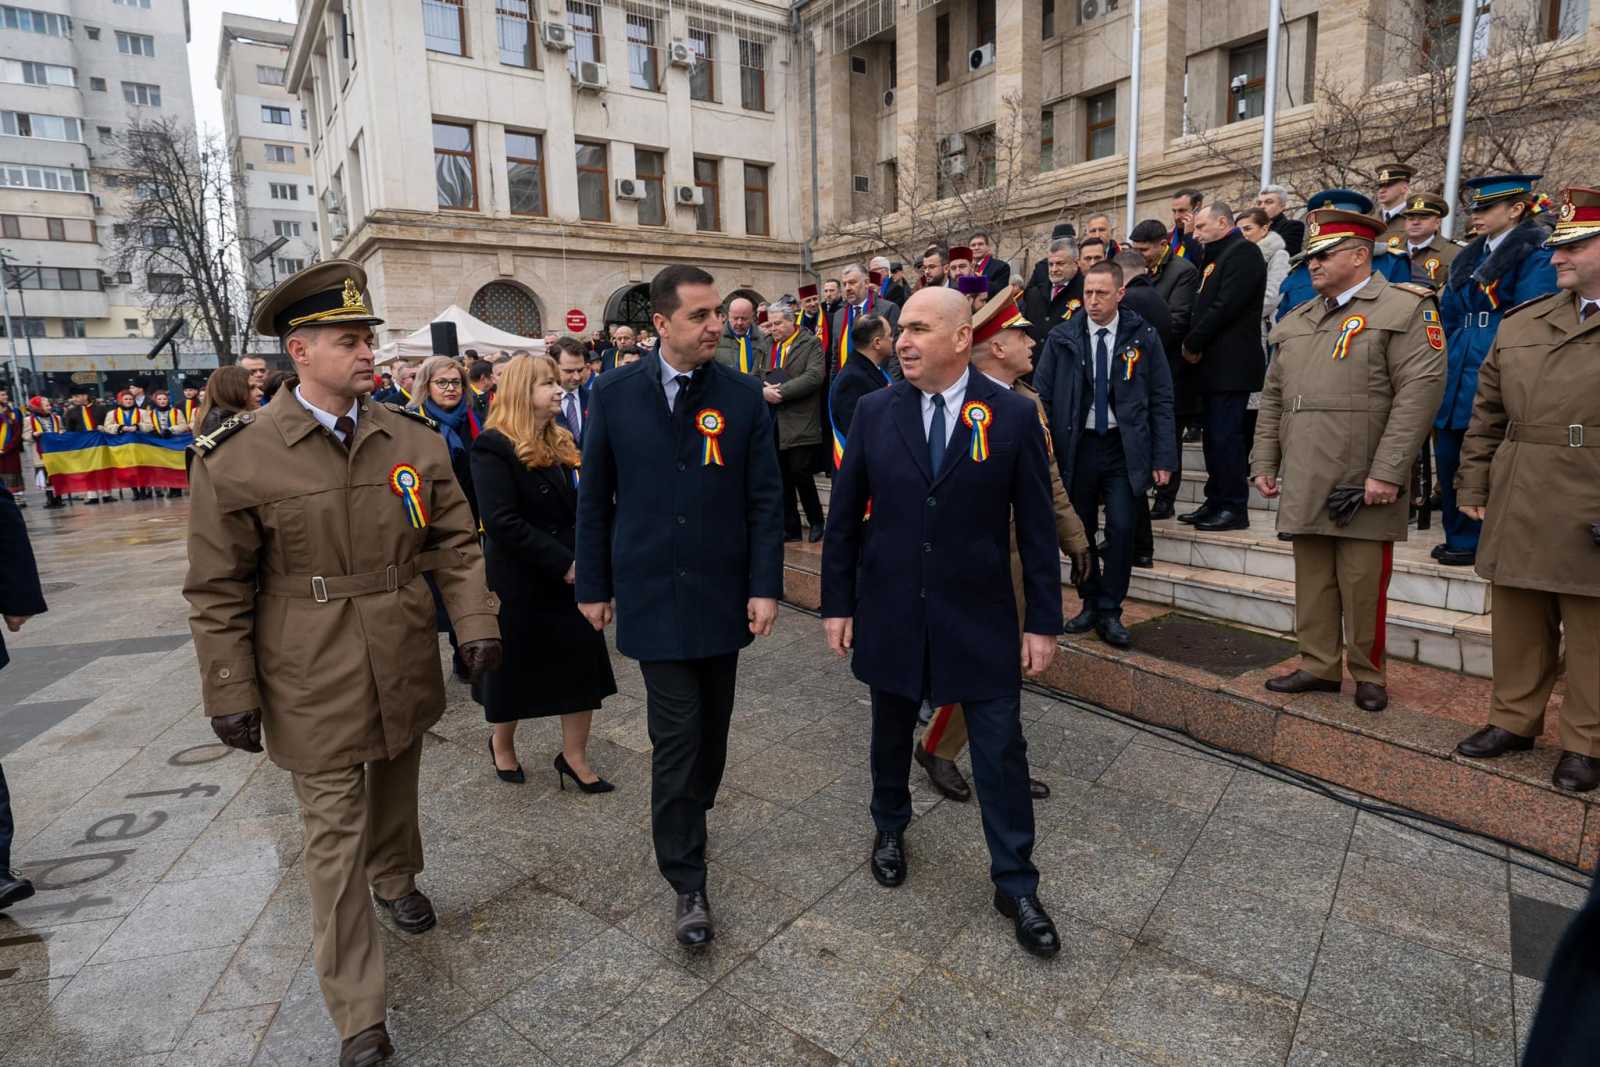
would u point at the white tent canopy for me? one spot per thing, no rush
(470, 333)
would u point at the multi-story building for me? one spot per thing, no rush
(269, 150)
(73, 75)
(523, 159)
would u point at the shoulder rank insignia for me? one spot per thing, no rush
(1394, 243)
(230, 426)
(1413, 288)
(1529, 303)
(401, 409)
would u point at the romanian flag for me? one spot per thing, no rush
(97, 462)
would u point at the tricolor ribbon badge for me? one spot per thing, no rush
(1129, 358)
(710, 423)
(1206, 274)
(1347, 333)
(1432, 265)
(1491, 293)
(407, 485)
(978, 416)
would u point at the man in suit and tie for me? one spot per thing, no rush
(870, 339)
(680, 528)
(571, 365)
(21, 598)
(1051, 302)
(995, 272)
(948, 458)
(859, 301)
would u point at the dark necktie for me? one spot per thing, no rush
(344, 428)
(1102, 381)
(1055, 291)
(936, 442)
(1589, 308)
(1331, 304)
(571, 414)
(682, 381)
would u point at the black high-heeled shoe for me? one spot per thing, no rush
(515, 777)
(564, 771)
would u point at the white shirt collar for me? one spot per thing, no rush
(1095, 328)
(323, 417)
(1350, 293)
(669, 372)
(953, 397)
(1492, 243)
(996, 381)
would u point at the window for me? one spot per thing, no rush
(981, 155)
(444, 26)
(97, 84)
(25, 327)
(119, 230)
(1047, 139)
(752, 74)
(1442, 31)
(1250, 63)
(594, 198)
(757, 219)
(455, 175)
(283, 191)
(136, 44)
(280, 228)
(139, 93)
(1565, 18)
(165, 284)
(651, 170)
(44, 127)
(644, 56)
(280, 153)
(1100, 125)
(514, 22)
(45, 22)
(275, 116)
(55, 179)
(941, 49)
(125, 277)
(55, 229)
(105, 134)
(525, 173)
(145, 4)
(53, 278)
(983, 23)
(269, 75)
(10, 226)
(1047, 20)
(160, 236)
(708, 216)
(130, 324)
(702, 76)
(893, 65)
(93, 32)
(26, 73)
(584, 18)
(74, 328)
(287, 265)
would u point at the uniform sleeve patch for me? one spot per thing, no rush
(1435, 336)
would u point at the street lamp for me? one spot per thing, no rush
(266, 253)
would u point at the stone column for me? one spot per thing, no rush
(1349, 32)
(1165, 52)
(1017, 81)
(832, 128)
(916, 104)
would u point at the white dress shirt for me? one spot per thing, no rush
(1493, 243)
(326, 419)
(668, 375)
(953, 397)
(1111, 350)
(1350, 294)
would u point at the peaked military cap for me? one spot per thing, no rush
(1343, 199)
(1426, 204)
(1327, 228)
(1493, 188)
(1001, 313)
(1579, 219)
(324, 294)
(1395, 172)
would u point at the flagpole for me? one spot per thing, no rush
(1458, 115)
(1131, 211)
(11, 334)
(1270, 112)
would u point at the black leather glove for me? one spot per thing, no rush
(1344, 502)
(480, 656)
(1080, 567)
(1594, 531)
(241, 731)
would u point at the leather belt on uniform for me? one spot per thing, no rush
(1328, 403)
(342, 586)
(1573, 436)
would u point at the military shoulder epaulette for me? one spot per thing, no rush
(400, 409)
(1527, 303)
(233, 424)
(1413, 288)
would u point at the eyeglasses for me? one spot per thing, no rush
(447, 383)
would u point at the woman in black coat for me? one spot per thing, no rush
(524, 467)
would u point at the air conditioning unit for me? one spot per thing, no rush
(630, 189)
(952, 144)
(1089, 10)
(95, 198)
(337, 230)
(679, 54)
(591, 76)
(558, 35)
(888, 98)
(956, 165)
(249, 166)
(981, 57)
(688, 195)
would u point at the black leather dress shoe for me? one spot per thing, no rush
(1204, 511)
(944, 774)
(370, 1046)
(1038, 790)
(1112, 632)
(1224, 520)
(13, 888)
(691, 923)
(1457, 557)
(412, 913)
(889, 858)
(1303, 682)
(1161, 509)
(1492, 741)
(792, 538)
(1437, 550)
(1577, 774)
(1285, 536)
(817, 530)
(1144, 562)
(1370, 696)
(1035, 931)
(1081, 623)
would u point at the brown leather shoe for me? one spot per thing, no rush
(1370, 696)
(1577, 774)
(944, 774)
(370, 1046)
(412, 913)
(1492, 741)
(1302, 682)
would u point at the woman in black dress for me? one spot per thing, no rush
(524, 467)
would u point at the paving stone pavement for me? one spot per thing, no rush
(1210, 914)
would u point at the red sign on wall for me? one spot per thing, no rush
(577, 321)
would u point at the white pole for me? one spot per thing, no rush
(11, 333)
(1270, 116)
(1131, 211)
(1458, 115)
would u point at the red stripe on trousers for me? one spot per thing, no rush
(937, 726)
(1380, 633)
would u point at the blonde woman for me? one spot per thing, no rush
(525, 467)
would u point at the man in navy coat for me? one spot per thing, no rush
(947, 457)
(21, 597)
(680, 526)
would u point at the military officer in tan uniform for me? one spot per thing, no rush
(1430, 253)
(1530, 469)
(1348, 401)
(1394, 193)
(312, 523)
(1002, 349)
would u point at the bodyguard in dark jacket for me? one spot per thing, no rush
(680, 524)
(870, 339)
(20, 597)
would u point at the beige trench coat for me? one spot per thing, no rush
(1540, 379)
(1327, 422)
(279, 503)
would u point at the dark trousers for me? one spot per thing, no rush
(1169, 492)
(799, 479)
(689, 705)
(1227, 451)
(1100, 476)
(7, 827)
(1460, 532)
(999, 768)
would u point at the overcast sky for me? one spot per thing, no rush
(205, 17)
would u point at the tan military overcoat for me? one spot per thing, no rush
(1430, 264)
(304, 585)
(1532, 451)
(1328, 421)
